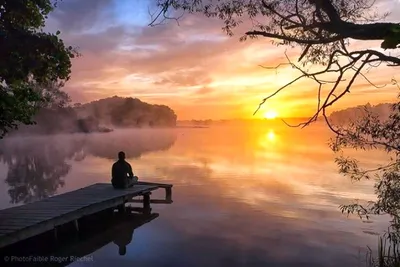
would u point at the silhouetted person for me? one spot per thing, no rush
(121, 172)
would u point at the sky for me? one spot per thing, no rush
(193, 67)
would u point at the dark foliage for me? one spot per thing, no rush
(30, 59)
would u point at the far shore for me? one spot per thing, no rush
(191, 126)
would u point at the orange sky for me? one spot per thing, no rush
(193, 67)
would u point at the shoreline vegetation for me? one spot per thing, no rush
(387, 254)
(101, 116)
(109, 114)
(352, 114)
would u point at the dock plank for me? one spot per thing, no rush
(21, 222)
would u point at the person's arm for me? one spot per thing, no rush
(113, 171)
(130, 173)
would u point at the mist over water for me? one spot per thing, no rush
(244, 194)
(37, 167)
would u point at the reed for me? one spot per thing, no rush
(388, 254)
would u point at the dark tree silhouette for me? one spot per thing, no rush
(372, 131)
(135, 113)
(322, 28)
(30, 59)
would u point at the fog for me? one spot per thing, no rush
(37, 165)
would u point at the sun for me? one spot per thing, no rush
(270, 114)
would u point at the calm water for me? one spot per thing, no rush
(243, 195)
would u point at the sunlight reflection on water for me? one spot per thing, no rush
(243, 195)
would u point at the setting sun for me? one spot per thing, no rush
(270, 114)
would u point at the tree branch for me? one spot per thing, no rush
(293, 39)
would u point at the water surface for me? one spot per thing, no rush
(244, 195)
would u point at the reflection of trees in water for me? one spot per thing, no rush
(133, 143)
(37, 165)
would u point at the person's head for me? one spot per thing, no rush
(121, 155)
(122, 250)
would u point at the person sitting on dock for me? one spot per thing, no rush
(122, 175)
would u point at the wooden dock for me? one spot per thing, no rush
(26, 221)
(117, 232)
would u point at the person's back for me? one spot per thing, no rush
(121, 172)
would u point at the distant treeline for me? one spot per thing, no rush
(197, 122)
(99, 116)
(127, 112)
(355, 113)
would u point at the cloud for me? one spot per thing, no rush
(104, 42)
(189, 66)
(204, 90)
(186, 78)
(78, 15)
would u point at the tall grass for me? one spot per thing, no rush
(388, 254)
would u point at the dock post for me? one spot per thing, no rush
(55, 232)
(121, 208)
(146, 203)
(168, 193)
(76, 224)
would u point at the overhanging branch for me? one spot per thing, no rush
(321, 28)
(357, 61)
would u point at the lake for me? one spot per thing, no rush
(249, 194)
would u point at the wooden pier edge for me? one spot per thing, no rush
(22, 222)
